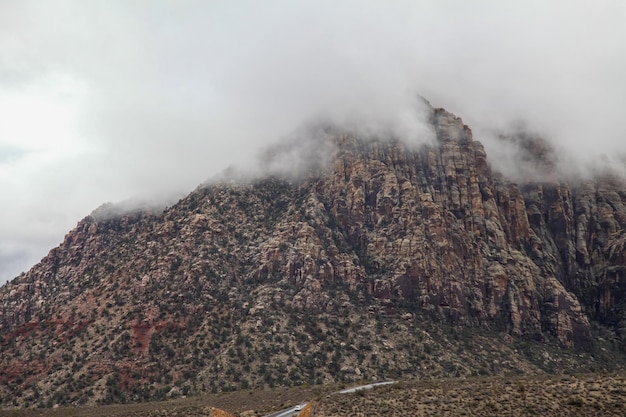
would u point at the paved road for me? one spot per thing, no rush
(287, 412)
(362, 387)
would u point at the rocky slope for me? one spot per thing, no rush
(388, 259)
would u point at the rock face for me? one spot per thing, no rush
(385, 231)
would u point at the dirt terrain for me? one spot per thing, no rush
(244, 403)
(563, 395)
(580, 395)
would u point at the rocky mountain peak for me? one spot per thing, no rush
(387, 258)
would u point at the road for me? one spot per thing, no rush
(287, 412)
(362, 387)
(293, 411)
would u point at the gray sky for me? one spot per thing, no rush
(107, 100)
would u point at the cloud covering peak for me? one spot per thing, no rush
(103, 101)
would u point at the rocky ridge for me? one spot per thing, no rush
(390, 259)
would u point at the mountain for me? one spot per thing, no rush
(383, 259)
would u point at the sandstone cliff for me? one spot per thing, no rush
(350, 272)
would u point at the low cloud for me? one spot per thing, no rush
(154, 97)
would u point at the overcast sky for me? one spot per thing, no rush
(101, 101)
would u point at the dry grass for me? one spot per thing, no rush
(261, 401)
(582, 395)
(216, 412)
(562, 395)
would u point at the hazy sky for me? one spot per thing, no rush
(107, 100)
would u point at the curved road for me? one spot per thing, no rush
(362, 387)
(288, 412)
(293, 411)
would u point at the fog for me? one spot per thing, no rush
(103, 101)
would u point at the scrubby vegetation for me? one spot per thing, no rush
(563, 395)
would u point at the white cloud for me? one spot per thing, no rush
(109, 100)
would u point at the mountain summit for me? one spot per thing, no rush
(385, 258)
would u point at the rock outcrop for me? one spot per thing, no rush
(384, 231)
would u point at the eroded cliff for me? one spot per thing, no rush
(390, 259)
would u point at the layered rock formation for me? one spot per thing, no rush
(384, 231)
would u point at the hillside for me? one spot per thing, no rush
(384, 260)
